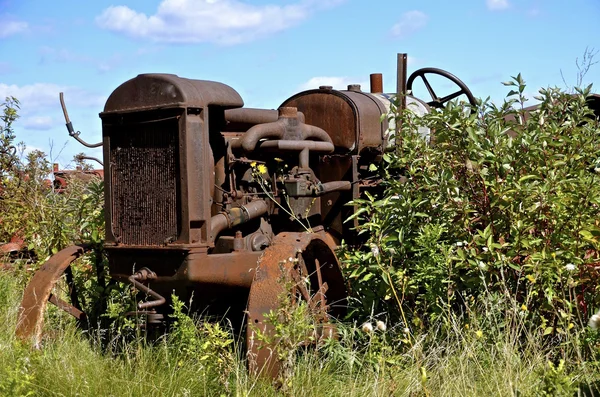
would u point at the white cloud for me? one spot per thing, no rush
(9, 28)
(338, 83)
(40, 123)
(216, 21)
(409, 23)
(497, 5)
(40, 95)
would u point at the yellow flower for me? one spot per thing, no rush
(479, 334)
(467, 326)
(530, 278)
(524, 307)
(253, 164)
(262, 168)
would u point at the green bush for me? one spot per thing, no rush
(500, 210)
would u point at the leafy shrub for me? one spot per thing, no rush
(501, 207)
(30, 209)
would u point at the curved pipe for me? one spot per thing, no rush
(275, 129)
(70, 126)
(312, 132)
(237, 216)
(91, 158)
(159, 299)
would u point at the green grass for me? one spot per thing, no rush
(462, 363)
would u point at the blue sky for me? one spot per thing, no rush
(268, 50)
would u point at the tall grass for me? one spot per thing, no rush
(489, 356)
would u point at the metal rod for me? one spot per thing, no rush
(401, 85)
(401, 74)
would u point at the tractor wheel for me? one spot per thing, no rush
(53, 282)
(305, 266)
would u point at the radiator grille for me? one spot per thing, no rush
(144, 175)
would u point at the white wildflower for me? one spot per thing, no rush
(485, 249)
(595, 321)
(570, 267)
(459, 244)
(482, 265)
(375, 250)
(367, 327)
(381, 325)
(406, 331)
(290, 259)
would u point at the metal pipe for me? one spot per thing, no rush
(237, 216)
(312, 132)
(334, 186)
(254, 116)
(91, 158)
(270, 130)
(250, 115)
(145, 274)
(70, 126)
(376, 83)
(303, 158)
(297, 146)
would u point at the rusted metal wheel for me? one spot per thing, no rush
(305, 265)
(44, 287)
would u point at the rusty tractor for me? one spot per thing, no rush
(228, 207)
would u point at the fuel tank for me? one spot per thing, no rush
(351, 117)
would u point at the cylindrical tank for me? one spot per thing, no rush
(352, 117)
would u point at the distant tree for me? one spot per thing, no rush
(8, 151)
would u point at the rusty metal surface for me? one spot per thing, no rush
(153, 91)
(288, 127)
(145, 202)
(38, 291)
(293, 258)
(376, 83)
(351, 118)
(62, 177)
(235, 269)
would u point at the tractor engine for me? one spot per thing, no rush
(198, 189)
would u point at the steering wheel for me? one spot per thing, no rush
(436, 101)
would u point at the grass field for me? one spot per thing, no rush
(468, 362)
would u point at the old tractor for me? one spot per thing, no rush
(229, 207)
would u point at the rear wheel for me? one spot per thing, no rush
(56, 283)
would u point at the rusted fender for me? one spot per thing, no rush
(275, 268)
(37, 293)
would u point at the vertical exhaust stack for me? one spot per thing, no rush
(376, 83)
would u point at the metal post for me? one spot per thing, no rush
(401, 87)
(401, 77)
